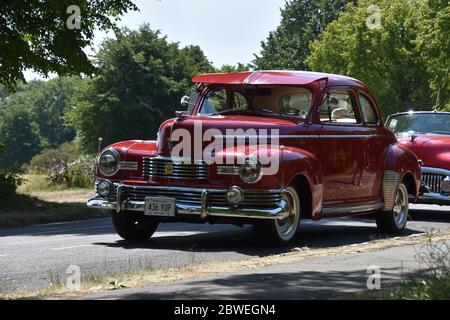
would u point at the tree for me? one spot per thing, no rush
(434, 44)
(385, 56)
(46, 102)
(20, 135)
(45, 36)
(302, 21)
(240, 67)
(142, 79)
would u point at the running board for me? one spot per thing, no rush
(351, 209)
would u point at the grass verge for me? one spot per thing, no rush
(149, 276)
(38, 202)
(434, 284)
(23, 210)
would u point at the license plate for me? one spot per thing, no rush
(162, 207)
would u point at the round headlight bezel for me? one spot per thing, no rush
(113, 153)
(445, 185)
(251, 161)
(108, 187)
(237, 191)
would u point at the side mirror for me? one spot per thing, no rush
(185, 102)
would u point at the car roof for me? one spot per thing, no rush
(275, 78)
(419, 112)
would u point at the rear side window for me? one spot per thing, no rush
(368, 110)
(297, 104)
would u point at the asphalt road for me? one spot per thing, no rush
(32, 257)
(328, 277)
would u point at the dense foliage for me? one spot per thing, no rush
(405, 61)
(302, 21)
(33, 118)
(143, 77)
(48, 159)
(34, 34)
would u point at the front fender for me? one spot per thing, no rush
(297, 162)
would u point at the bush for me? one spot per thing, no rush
(435, 256)
(50, 159)
(9, 181)
(77, 174)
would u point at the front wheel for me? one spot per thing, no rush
(283, 231)
(393, 222)
(132, 226)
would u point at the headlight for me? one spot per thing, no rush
(235, 195)
(104, 188)
(445, 185)
(251, 170)
(108, 163)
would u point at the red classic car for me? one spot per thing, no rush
(427, 134)
(262, 148)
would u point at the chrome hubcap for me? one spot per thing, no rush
(288, 226)
(401, 207)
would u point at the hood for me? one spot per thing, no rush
(134, 149)
(433, 150)
(202, 128)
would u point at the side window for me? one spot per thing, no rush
(214, 102)
(193, 97)
(338, 108)
(368, 110)
(240, 102)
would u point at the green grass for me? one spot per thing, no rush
(37, 183)
(431, 288)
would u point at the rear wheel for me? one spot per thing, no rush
(132, 226)
(283, 231)
(395, 221)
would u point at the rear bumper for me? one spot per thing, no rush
(203, 209)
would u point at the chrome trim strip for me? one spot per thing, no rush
(307, 136)
(357, 208)
(128, 165)
(227, 170)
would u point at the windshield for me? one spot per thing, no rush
(421, 123)
(289, 101)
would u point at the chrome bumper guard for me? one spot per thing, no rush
(203, 209)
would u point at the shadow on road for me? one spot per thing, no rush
(292, 285)
(247, 242)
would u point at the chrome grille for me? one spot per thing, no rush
(433, 181)
(252, 199)
(156, 167)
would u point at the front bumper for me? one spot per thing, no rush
(434, 198)
(432, 179)
(203, 209)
